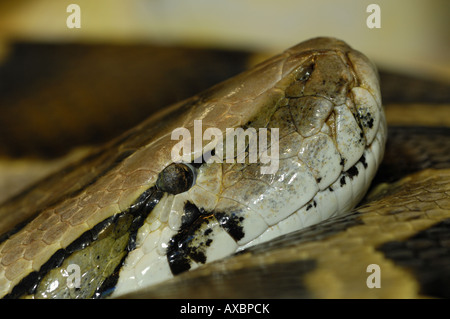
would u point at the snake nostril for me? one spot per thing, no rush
(305, 73)
(176, 178)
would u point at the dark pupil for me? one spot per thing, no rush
(175, 178)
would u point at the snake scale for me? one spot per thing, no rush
(131, 219)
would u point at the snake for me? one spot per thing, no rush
(135, 222)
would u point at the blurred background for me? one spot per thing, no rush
(414, 34)
(62, 89)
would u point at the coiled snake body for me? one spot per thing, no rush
(130, 218)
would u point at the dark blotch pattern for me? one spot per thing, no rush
(366, 120)
(190, 214)
(183, 248)
(413, 149)
(352, 172)
(133, 219)
(232, 224)
(427, 255)
(192, 240)
(342, 181)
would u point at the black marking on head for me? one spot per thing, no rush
(207, 232)
(147, 201)
(184, 247)
(175, 178)
(366, 120)
(352, 172)
(87, 237)
(361, 136)
(363, 161)
(310, 205)
(370, 122)
(190, 214)
(192, 240)
(136, 214)
(232, 223)
(427, 255)
(29, 284)
(342, 181)
(140, 211)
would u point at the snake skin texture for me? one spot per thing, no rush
(402, 226)
(117, 216)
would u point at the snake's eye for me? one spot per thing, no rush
(176, 178)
